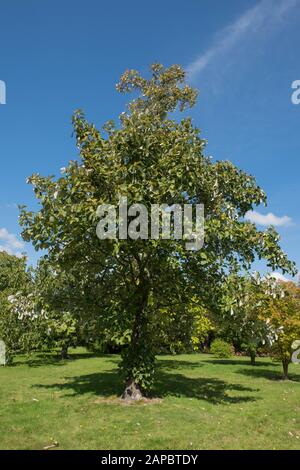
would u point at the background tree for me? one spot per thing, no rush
(14, 277)
(56, 292)
(203, 326)
(244, 310)
(151, 159)
(13, 273)
(27, 325)
(285, 318)
(62, 332)
(30, 318)
(38, 325)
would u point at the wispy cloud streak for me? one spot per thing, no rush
(10, 243)
(268, 219)
(265, 14)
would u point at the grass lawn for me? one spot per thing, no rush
(205, 404)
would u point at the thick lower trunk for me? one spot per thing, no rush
(132, 391)
(253, 357)
(136, 355)
(64, 353)
(285, 366)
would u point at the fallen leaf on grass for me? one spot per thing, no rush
(51, 446)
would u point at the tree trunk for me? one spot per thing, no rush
(132, 388)
(132, 391)
(285, 365)
(253, 357)
(64, 352)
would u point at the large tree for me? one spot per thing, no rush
(150, 159)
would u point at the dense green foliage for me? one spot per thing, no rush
(244, 310)
(285, 318)
(14, 278)
(221, 348)
(30, 318)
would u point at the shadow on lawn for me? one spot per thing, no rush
(39, 360)
(104, 383)
(108, 383)
(267, 374)
(210, 389)
(170, 364)
(237, 362)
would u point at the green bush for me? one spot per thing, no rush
(221, 348)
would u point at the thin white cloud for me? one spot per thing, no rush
(268, 219)
(279, 277)
(265, 14)
(10, 243)
(12, 205)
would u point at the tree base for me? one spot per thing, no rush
(132, 391)
(285, 367)
(64, 354)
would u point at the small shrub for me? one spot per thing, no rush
(221, 348)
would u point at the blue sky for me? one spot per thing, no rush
(57, 56)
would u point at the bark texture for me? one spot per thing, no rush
(132, 391)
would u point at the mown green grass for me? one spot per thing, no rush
(205, 404)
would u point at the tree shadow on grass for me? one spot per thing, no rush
(40, 359)
(108, 383)
(213, 390)
(267, 374)
(238, 362)
(90, 355)
(170, 364)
